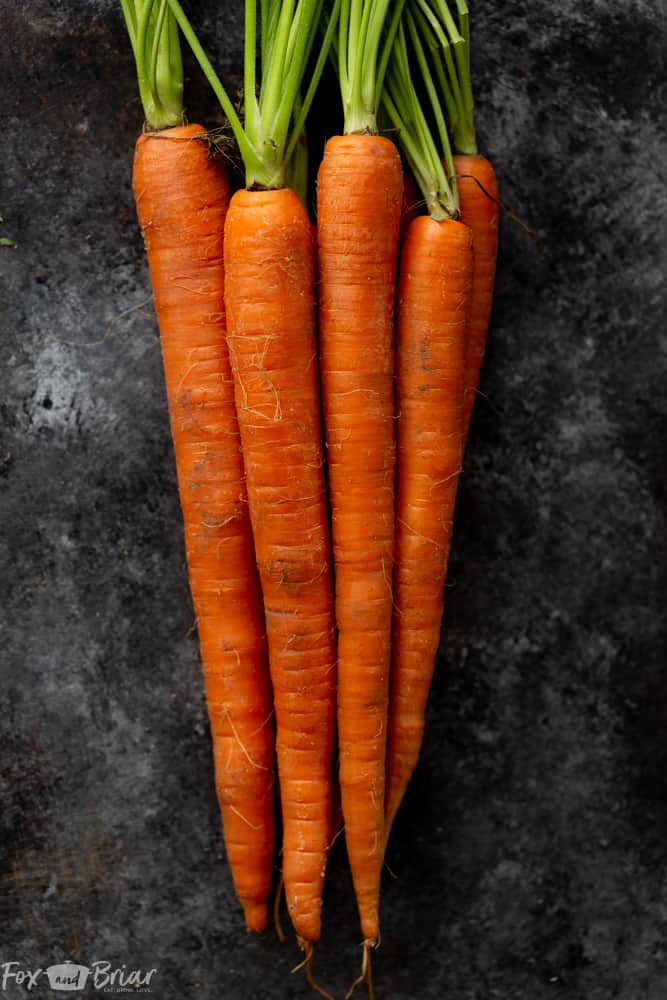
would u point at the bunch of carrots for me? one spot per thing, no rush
(321, 379)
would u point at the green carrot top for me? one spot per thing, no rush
(447, 44)
(424, 152)
(362, 49)
(275, 107)
(157, 52)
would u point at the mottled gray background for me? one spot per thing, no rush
(529, 861)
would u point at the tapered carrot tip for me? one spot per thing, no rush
(256, 916)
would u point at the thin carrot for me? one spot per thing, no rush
(270, 300)
(359, 198)
(433, 321)
(182, 197)
(435, 282)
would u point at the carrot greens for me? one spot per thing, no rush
(447, 43)
(157, 52)
(404, 108)
(362, 49)
(271, 130)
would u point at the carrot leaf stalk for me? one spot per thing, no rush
(363, 47)
(296, 168)
(271, 129)
(447, 42)
(157, 52)
(404, 109)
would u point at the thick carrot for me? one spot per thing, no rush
(478, 195)
(269, 293)
(360, 190)
(432, 327)
(182, 198)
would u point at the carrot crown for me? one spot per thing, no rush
(157, 52)
(404, 109)
(275, 107)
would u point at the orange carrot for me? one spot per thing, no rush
(432, 327)
(435, 282)
(359, 205)
(269, 293)
(478, 194)
(182, 198)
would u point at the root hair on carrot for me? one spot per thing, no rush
(503, 208)
(237, 812)
(280, 934)
(336, 836)
(245, 750)
(307, 964)
(391, 872)
(366, 974)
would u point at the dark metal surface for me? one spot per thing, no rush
(529, 858)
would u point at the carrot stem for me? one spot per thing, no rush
(271, 129)
(306, 103)
(249, 83)
(157, 55)
(403, 106)
(155, 48)
(362, 54)
(443, 38)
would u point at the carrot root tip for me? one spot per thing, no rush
(366, 974)
(307, 964)
(256, 916)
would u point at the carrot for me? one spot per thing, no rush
(268, 250)
(435, 283)
(182, 197)
(356, 289)
(359, 199)
(270, 300)
(433, 320)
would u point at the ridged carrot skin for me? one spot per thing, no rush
(435, 283)
(359, 198)
(269, 294)
(479, 211)
(182, 198)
